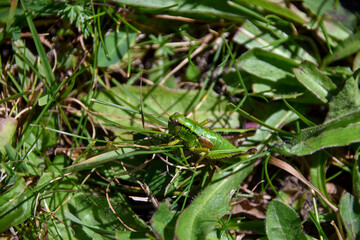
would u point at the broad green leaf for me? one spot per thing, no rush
(282, 222)
(336, 71)
(266, 37)
(54, 192)
(163, 222)
(117, 45)
(268, 66)
(196, 221)
(275, 8)
(95, 214)
(317, 83)
(88, 215)
(53, 171)
(337, 132)
(345, 48)
(127, 235)
(333, 9)
(336, 30)
(192, 74)
(96, 230)
(257, 226)
(155, 180)
(44, 99)
(356, 63)
(276, 91)
(7, 131)
(276, 120)
(319, 8)
(346, 101)
(271, 74)
(172, 100)
(207, 9)
(124, 210)
(32, 165)
(219, 234)
(16, 205)
(350, 214)
(43, 138)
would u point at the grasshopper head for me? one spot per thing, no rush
(176, 121)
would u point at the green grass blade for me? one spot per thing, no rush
(304, 119)
(50, 77)
(345, 48)
(107, 157)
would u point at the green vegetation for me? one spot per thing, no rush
(87, 89)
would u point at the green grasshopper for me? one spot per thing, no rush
(202, 140)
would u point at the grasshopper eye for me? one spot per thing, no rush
(175, 122)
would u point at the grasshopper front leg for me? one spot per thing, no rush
(204, 152)
(174, 142)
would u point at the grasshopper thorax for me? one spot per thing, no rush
(176, 121)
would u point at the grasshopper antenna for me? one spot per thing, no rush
(160, 106)
(141, 105)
